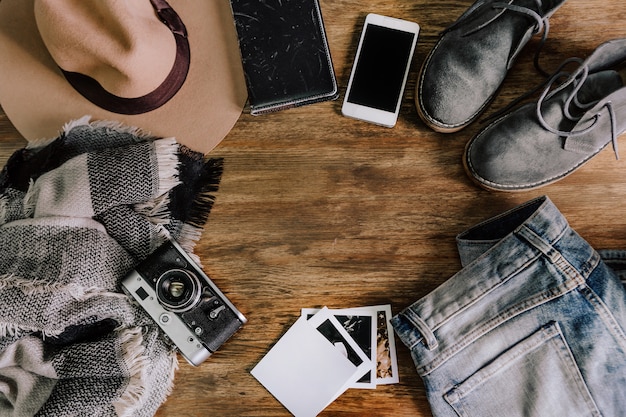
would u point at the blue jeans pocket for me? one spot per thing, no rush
(537, 377)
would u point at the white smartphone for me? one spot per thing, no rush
(380, 69)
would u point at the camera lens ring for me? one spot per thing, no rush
(178, 290)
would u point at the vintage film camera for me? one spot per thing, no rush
(192, 312)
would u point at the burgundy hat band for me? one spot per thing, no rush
(93, 91)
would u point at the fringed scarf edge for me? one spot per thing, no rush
(132, 352)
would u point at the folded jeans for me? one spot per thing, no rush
(533, 325)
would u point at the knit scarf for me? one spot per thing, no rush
(77, 214)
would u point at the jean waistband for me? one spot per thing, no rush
(493, 252)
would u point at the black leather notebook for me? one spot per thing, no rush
(285, 53)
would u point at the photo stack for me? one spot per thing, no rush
(327, 351)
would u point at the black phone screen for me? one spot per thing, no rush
(381, 65)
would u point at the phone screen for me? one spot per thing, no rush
(381, 65)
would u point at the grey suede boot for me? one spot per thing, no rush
(543, 142)
(463, 72)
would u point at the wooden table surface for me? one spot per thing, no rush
(316, 209)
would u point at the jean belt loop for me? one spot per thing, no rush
(422, 327)
(535, 240)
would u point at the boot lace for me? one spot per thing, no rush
(577, 79)
(542, 24)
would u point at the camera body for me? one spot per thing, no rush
(192, 312)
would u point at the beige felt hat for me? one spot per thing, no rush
(170, 68)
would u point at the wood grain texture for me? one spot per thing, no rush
(316, 209)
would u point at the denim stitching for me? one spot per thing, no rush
(574, 280)
(427, 334)
(605, 315)
(515, 310)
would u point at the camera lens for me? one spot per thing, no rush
(178, 290)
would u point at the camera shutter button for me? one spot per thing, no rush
(164, 318)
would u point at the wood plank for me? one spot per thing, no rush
(316, 209)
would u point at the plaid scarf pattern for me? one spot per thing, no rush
(77, 214)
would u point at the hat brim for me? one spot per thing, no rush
(39, 101)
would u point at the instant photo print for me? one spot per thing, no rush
(361, 326)
(377, 341)
(314, 362)
(327, 351)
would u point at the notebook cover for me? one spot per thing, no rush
(285, 54)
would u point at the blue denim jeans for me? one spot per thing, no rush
(533, 325)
